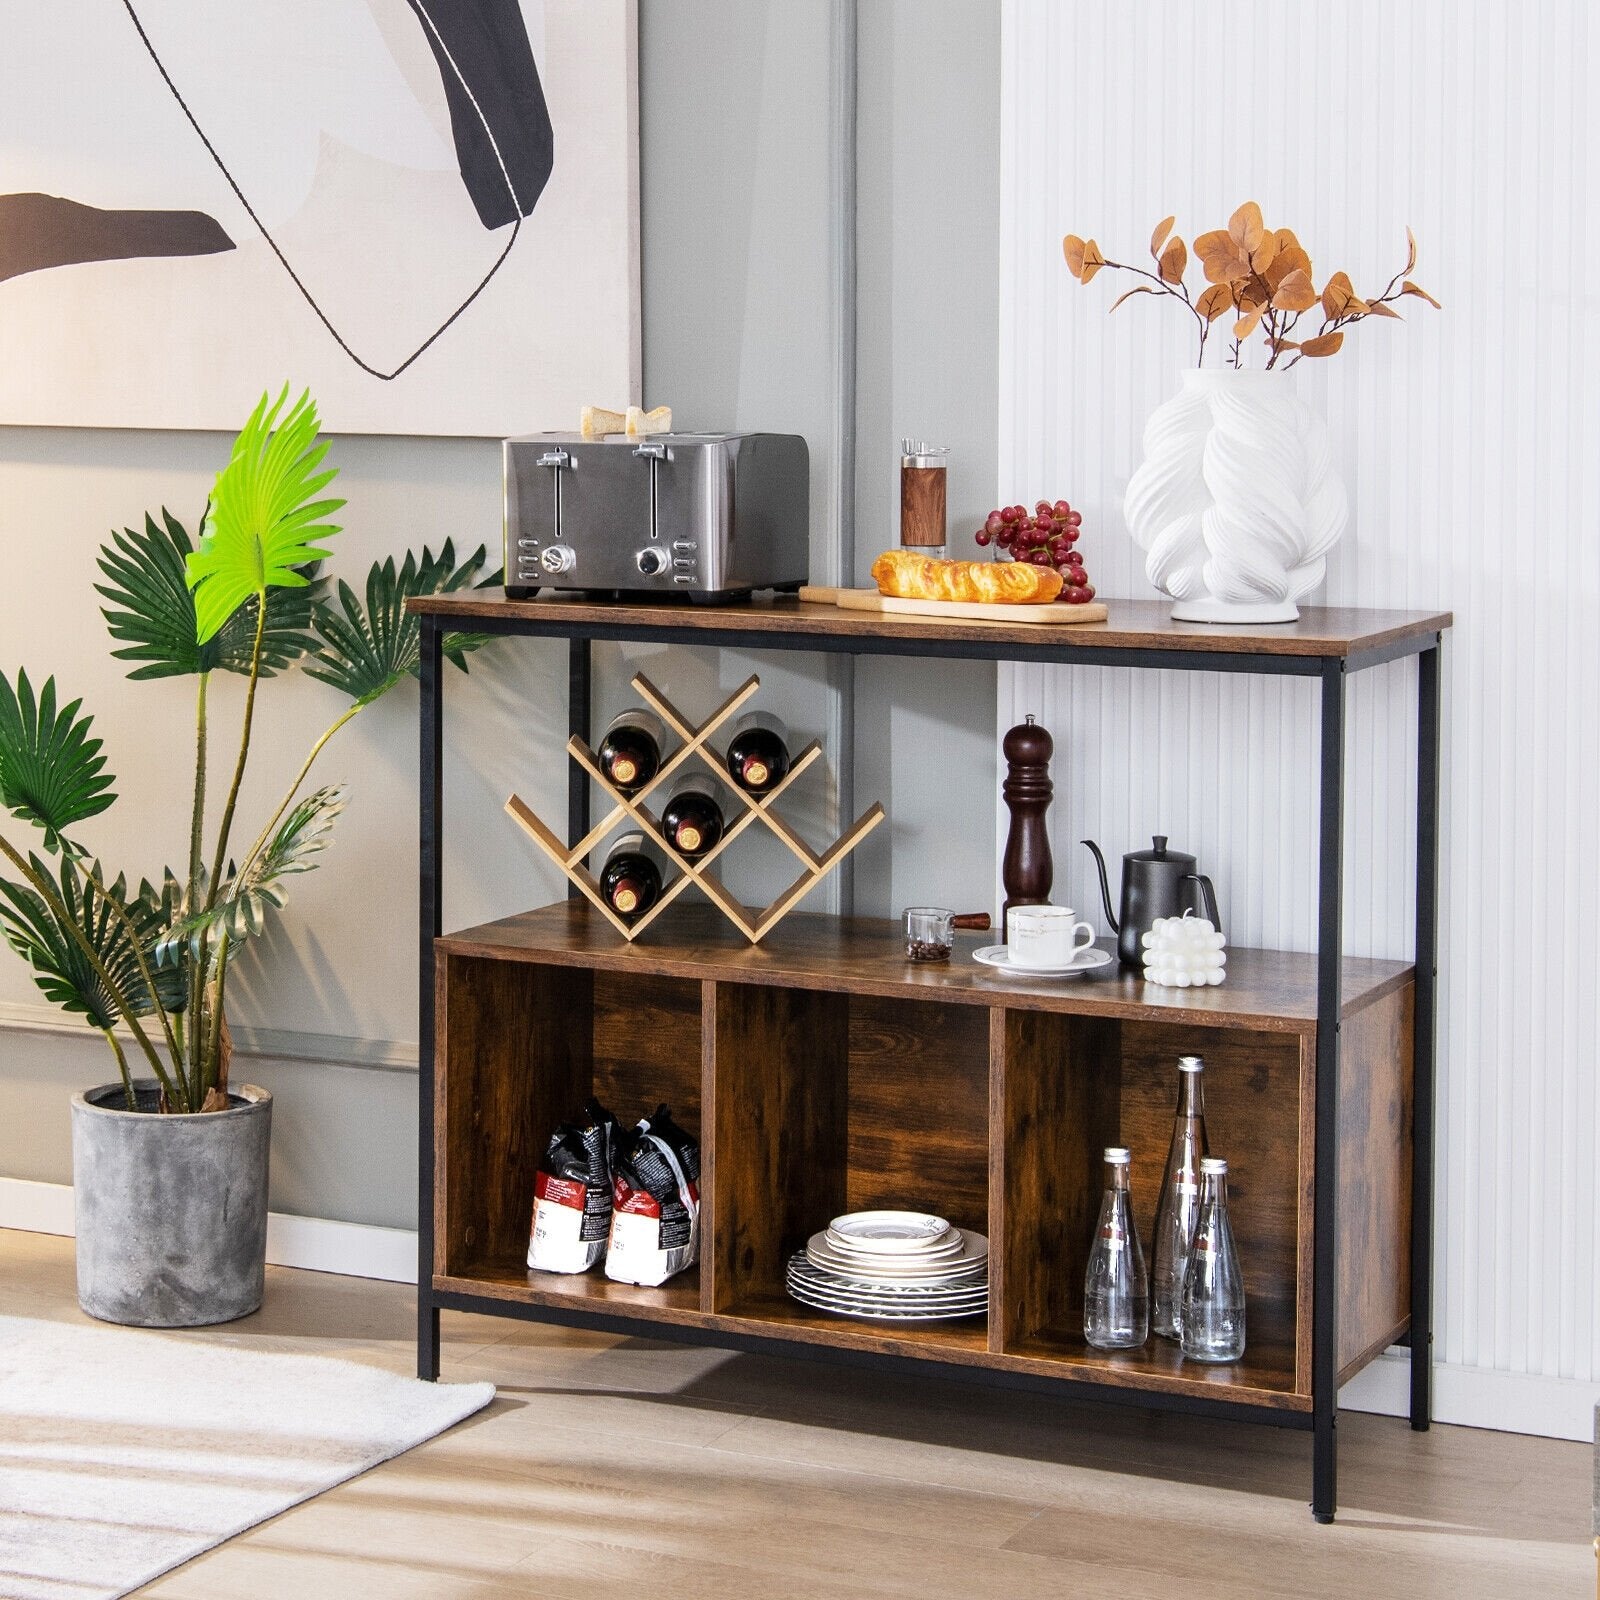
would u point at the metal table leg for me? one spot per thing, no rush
(1423, 1035)
(1330, 945)
(431, 795)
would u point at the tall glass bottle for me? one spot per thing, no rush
(758, 751)
(1178, 1209)
(1213, 1288)
(1116, 1293)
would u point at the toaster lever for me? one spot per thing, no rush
(656, 452)
(554, 458)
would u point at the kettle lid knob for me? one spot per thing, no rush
(1159, 840)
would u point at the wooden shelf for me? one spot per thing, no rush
(824, 1073)
(1266, 1375)
(1142, 625)
(1266, 989)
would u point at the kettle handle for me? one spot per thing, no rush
(1105, 883)
(1208, 896)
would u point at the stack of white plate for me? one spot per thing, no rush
(893, 1266)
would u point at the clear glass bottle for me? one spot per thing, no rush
(1178, 1209)
(1116, 1293)
(1213, 1288)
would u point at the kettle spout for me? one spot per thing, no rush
(1105, 883)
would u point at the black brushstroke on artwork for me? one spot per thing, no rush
(44, 230)
(516, 209)
(491, 84)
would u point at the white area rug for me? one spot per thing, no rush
(125, 1453)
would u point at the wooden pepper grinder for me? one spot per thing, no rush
(1026, 869)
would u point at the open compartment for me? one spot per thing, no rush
(1068, 1086)
(829, 1102)
(521, 1046)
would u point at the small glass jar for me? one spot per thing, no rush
(928, 933)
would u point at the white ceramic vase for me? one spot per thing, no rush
(1236, 503)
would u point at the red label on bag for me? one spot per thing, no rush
(559, 1191)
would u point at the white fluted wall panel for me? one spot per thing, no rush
(1470, 441)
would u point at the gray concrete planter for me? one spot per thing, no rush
(171, 1211)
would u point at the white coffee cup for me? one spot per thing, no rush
(1045, 937)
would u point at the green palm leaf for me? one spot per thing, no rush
(61, 969)
(366, 650)
(264, 516)
(51, 771)
(245, 899)
(153, 610)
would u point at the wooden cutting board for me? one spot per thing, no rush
(956, 610)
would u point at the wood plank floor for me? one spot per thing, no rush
(611, 1467)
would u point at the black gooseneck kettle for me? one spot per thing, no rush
(1155, 883)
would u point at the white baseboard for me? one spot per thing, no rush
(1478, 1397)
(316, 1244)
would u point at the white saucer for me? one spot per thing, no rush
(997, 956)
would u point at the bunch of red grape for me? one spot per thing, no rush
(1045, 539)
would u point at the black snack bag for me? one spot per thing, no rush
(655, 1219)
(572, 1194)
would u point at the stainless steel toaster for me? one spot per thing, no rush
(711, 516)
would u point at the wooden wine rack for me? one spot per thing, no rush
(694, 746)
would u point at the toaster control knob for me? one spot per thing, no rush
(557, 558)
(653, 560)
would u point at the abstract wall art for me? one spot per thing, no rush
(424, 210)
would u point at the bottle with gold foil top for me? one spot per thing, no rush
(630, 749)
(758, 752)
(692, 818)
(630, 880)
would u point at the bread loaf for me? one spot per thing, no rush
(907, 576)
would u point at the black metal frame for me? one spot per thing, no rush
(1333, 673)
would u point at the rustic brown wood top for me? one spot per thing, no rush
(1266, 989)
(1131, 625)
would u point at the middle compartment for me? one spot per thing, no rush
(825, 1102)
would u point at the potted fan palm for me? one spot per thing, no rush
(170, 1160)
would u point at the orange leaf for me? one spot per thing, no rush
(1325, 344)
(1289, 258)
(1336, 295)
(1411, 250)
(1408, 287)
(1251, 294)
(1221, 257)
(1246, 325)
(1072, 249)
(1245, 227)
(1295, 293)
(1264, 253)
(1174, 260)
(1092, 261)
(1159, 237)
(1214, 302)
(1378, 309)
(1285, 240)
(1143, 288)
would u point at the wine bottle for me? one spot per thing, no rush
(1212, 1314)
(630, 880)
(692, 817)
(1116, 1293)
(1178, 1209)
(630, 749)
(758, 752)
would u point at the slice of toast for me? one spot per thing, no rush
(596, 422)
(640, 423)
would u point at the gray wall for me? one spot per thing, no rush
(739, 330)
